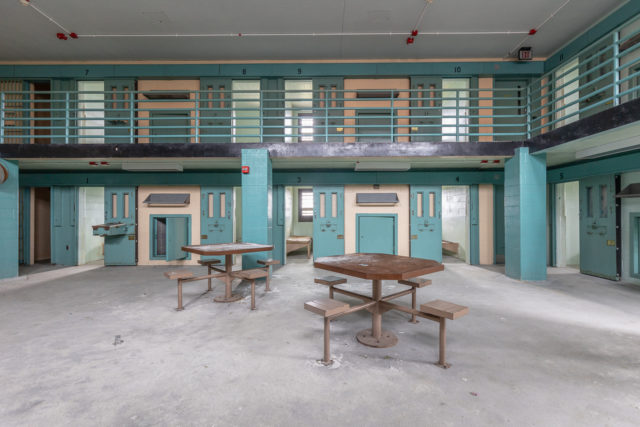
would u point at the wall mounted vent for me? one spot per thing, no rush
(378, 94)
(631, 190)
(168, 199)
(166, 95)
(377, 199)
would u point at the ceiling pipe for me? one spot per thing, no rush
(341, 34)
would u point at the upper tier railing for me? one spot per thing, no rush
(605, 74)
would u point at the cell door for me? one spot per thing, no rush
(599, 243)
(377, 234)
(120, 208)
(64, 231)
(328, 109)
(426, 109)
(278, 224)
(328, 221)
(215, 110)
(426, 222)
(119, 110)
(510, 109)
(170, 126)
(216, 219)
(272, 99)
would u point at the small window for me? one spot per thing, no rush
(604, 202)
(589, 202)
(305, 205)
(305, 127)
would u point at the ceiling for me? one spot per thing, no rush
(26, 35)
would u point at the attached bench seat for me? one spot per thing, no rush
(268, 263)
(326, 307)
(415, 283)
(252, 275)
(330, 281)
(179, 275)
(444, 310)
(208, 262)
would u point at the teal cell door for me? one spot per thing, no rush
(426, 108)
(64, 220)
(177, 235)
(24, 235)
(498, 224)
(377, 233)
(120, 207)
(328, 221)
(272, 99)
(215, 110)
(170, 126)
(426, 222)
(510, 110)
(599, 244)
(328, 109)
(119, 111)
(278, 221)
(216, 216)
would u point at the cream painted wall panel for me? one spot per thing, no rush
(145, 211)
(401, 209)
(486, 109)
(143, 103)
(485, 217)
(376, 84)
(629, 205)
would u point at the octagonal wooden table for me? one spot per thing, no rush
(377, 267)
(226, 249)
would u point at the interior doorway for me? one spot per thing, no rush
(298, 231)
(42, 225)
(455, 223)
(567, 225)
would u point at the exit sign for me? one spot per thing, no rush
(524, 54)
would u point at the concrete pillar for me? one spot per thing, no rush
(525, 204)
(9, 222)
(256, 203)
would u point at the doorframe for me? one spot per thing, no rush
(395, 228)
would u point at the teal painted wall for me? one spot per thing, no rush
(233, 178)
(355, 69)
(257, 202)
(9, 224)
(525, 216)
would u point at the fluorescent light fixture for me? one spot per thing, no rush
(382, 166)
(615, 147)
(152, 167)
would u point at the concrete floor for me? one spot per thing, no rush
(106, 347)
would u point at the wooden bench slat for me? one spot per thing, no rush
(417, 282)
(208, 262)
(252, 274)
(326, 307)
(178, 274)
(269, 261)
(330, 280)
(444, 309)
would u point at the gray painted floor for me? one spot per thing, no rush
(565, 352)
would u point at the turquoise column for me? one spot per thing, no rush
(9, 222)
(256, 203)
(474, 225)
(525, 205)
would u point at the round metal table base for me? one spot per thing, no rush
(232, 298)
(387, 339)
